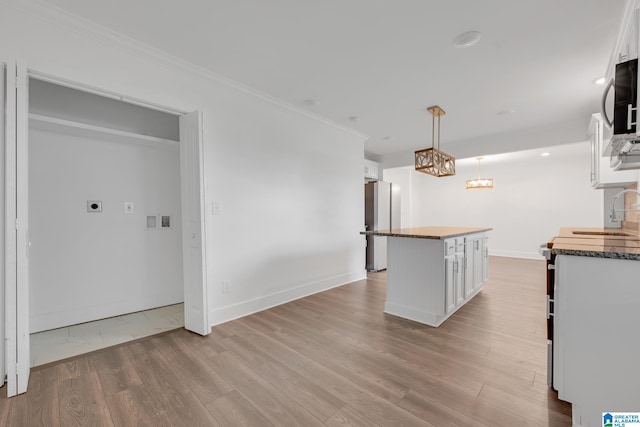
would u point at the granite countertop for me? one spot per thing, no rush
(433, 232)
(590, 242)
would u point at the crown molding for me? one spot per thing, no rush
(86, 28)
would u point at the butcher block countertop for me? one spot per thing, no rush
(432, 232)
(597, 242)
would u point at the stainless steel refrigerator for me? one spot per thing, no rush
(381, 212)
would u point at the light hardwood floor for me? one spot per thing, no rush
(331, 359)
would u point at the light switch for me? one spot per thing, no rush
(216, 208)
(128, 207)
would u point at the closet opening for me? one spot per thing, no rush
(105, 221)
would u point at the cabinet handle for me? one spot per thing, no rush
(603, 110)
(630, 121)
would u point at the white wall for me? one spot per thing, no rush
(86, 266)
(533, 197)
(290, 185)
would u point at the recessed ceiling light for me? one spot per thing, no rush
(467, 39)
(599, 81)
(545, 154)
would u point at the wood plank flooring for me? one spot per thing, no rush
(331, 359)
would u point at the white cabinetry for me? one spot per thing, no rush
(626, 47)
(371, 170)
(485, 261)
(476, 255)
(602, 176)
(596, 346)
(454, 262)
(449, 284)
(429, 279)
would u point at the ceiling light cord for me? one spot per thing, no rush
(438, 132)
(433, 132)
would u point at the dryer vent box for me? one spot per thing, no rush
(94, 205)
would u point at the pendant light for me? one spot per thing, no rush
(480, 183)
(432, 161)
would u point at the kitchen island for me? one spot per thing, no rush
(433, 271)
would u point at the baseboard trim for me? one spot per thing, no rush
(245, 308)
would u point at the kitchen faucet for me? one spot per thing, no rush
(613, 217)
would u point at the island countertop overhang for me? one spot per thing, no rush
(431, 232)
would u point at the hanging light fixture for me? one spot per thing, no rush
(480, 183)
(432, 161)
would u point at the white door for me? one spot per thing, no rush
(17, 230)
(2, 220)
(196, 315)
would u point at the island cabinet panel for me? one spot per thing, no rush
(484, 263)
(450, 284)
(429, 279)
(476, 255)
(471, 268)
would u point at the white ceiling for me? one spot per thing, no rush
(386, 61)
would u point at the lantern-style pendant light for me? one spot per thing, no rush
(432, 161)
(480, 183)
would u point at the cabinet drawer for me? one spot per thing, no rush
(453, 246)
(450, 246)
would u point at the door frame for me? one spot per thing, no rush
(3, 84)
(12, 189)
(16, 228)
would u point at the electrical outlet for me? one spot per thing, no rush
(225, 286)
(128, 207)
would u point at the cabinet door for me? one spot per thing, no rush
(477, 262)
(458, 267)
(485, 259)
(450, 283)
(468, 268)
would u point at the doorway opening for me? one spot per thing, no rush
(105, 212)
(84, 128)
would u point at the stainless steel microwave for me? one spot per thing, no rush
(625, 85)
